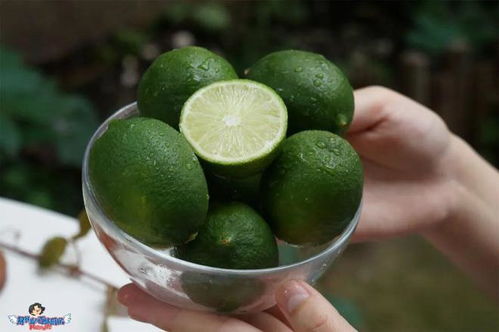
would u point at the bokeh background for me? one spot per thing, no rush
(67, 65)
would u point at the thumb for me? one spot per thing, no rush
(307, 310)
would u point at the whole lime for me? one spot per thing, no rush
(234, 236)
(148, 181)
(220, 292)
(313, 188)
(315, 91)
(174, 76)
(227, 189)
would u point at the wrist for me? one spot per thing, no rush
(469, 182)
(454, 191)
(469, 232)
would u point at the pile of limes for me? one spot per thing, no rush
(218, 167)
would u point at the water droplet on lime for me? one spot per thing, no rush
(320, 145)
(205, 65)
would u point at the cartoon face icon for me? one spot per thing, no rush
(36, 309)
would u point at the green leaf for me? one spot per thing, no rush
(211, 16)
(437, 25)
(52, 252)
(130, 41)
(41, 112)
(178, 12)
(84, 224)
(40, 197)
(433, 35)
(10, 136)
(73, 127)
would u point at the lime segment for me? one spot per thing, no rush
(235, 125)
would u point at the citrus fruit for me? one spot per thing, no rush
(174, 76)
(234, 236)
(222, 188)
(235, 126)
(223, 293)
(316, 92)
(313, 188)
(148, 181)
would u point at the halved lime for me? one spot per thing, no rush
(235, 126)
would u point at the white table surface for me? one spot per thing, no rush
(58, 293)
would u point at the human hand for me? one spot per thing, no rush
(405, 150)
(420, 178)
(299, 308)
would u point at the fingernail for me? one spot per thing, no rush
(295, 294)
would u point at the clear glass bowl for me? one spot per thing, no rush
(189, 285)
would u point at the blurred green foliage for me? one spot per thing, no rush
(348, 309)
(43, 134)
(43, 129)
(128, 41)
(210, 16)
(437, 26)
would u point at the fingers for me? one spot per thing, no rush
(145, 308)
(277, 313)
(266, 322)
(369, 107)
(307, 310)
(372, 128)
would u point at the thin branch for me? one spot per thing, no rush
(73, 270)
(72, 242)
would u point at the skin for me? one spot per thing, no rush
(3, 267)
(419, 178)
(36, 311)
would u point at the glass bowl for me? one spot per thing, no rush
(193, 286)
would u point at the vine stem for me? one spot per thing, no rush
(73, 270)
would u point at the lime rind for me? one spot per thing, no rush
(234, 122)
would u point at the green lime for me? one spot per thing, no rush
(246, 190)
(234, 236)
(176, 75)
(235, 126)
(313, 188)
(148, 181)
(223, 293)
(316, 92)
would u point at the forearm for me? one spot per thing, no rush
(475, 174)
(470, 235)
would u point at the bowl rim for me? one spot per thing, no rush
(109, 226)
